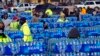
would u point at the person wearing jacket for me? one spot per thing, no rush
(14, 25)
(6, 21)
(26, 30)
(62, 18)
(83, 11)
(3, 38)
(49, 12)
(74, 33)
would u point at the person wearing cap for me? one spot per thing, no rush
(49, 12)
(26, 30)
(62, 17)
(14, 25)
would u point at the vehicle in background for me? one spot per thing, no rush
(23, 7)
(91, 4)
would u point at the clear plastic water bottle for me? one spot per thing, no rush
(62, 54)
(14, 47)
(60, 47)
(42, 55)
(78, 46)
(37, 45)
(1, 49)
(98, 53)
(71, 54)
(74, 45)
(64, 46)
(95, 53)
(91, 42)
(87, 54)
(57, 54)
(67, 54)
(78, 54)
(95, 42)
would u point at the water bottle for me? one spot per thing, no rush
(57, 54)
(14, 48)
(42, 55)
(34, 45)
(74, 46)
(60, 46)
(41, 46)
(64, 46)
(80, 41)
(78, 46)
(1, 49)
(85, 42)
(67, 54)
(98, 53)
(94, 41)
(71, 54)
(62, 54)
(17, 47)
(95, 53)
(87, 54)
(91, 41)
(36, 54)
(37, 45)
(98, 41)
(80, 54)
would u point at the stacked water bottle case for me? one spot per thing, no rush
(76, 47)
(54, 47)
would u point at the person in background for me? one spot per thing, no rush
(49, 12)
(45, 25)
(6, 21)
(26, 30)
(74, 33)
(40, 14)
(5, 8)
(72, 14)
(15, 11)
(14, 25)
(89, 10)
(10, 4)
(44, 15)
(3, 38)
(66, 12)
(80, 10)
(62, 18)
(28, 10)
(76, 13)
(96, 11)
(33, 11)
(83, 11)
(36, 18)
